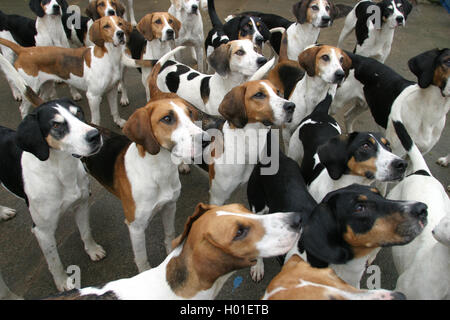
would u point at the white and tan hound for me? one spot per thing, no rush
(96, 69)
(216, 241)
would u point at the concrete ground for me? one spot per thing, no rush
(21, 260)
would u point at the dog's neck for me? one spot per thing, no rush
(50, 31)
(189, 277)
(114, 52)
(233, 79)
(156, 48)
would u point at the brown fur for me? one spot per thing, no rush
(205, 255)
(360, 168)
(295, 270)
(151, 30)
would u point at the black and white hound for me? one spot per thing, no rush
(421, 107)
(374, 24)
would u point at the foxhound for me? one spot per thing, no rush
(96, 69)
(140, 168)
(46, 30)
(159, 30)
(298, 280)
(311, 16)
(345, 229)
(422, 264)
(234, 62)
(41, 165)
(331, 160)
(385, 91)
(374, 24)
(325, 67)
(216, 241)
(237, 28)
(191, 33)
(249, 110)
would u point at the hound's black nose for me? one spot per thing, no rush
(170, 33)
(420, 210)
(326, 19)
(289, 107)
(400, 165)
(339, 75)
(111, 13)
(399, 20)
(261, 61)
(194, 8)
(296, 221)
(120, 34)
(93, 137)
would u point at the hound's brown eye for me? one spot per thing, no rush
(327, 8)
(106, 26)
(360, 207)
(259, 95)
(158, 21)
(56, 125)
(325, 57)
(365, 146)
(315, 8)
(167, 119)
(170, 21)
(240, 52)
(241, 233)
(101, 4)
(341, 60)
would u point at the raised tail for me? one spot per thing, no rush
(261, 72)
(13, 46)
(19, 82)
(417, 160)
(152, 80)
(215, 20)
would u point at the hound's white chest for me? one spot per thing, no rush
(154, 178)
(56, 183)
(378, 44)
(299, 37)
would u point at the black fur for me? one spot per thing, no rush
(423, 65)
(363, 13)
(290, 76)
(101, 165)
(382, 85)
(205, 89)
(173, 78)
(403, 135)
(217, 30)
(22, 29)
(193, 75)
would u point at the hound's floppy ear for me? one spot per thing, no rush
(423, 67)
(231, 28)
(232, 107)
(333, 155)
(96, 34)
(91, 11)
(323, 238)
(307, 60)
(64, 5)
(176, 25)
(407, 8)
(265, 32)
(35, 6)
(138, 129)
(29, 137)
(127, 27)
(334, 11)
(200, 209)
(347, 63)
(145, 27)
(300, 10)
(120, 9)
(220, 59)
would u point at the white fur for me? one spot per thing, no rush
(191, 32)
(242, 67)
(423, 264)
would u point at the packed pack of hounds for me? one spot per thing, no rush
(337, 197)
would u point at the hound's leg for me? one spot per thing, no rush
(199, 53)
(113, 105)
(44, 230)
(76, 96)
(11, 56)
(94, 105)
(94, 250)
(168, 219)
(131, 10)
(124, 100)
(137, 236)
